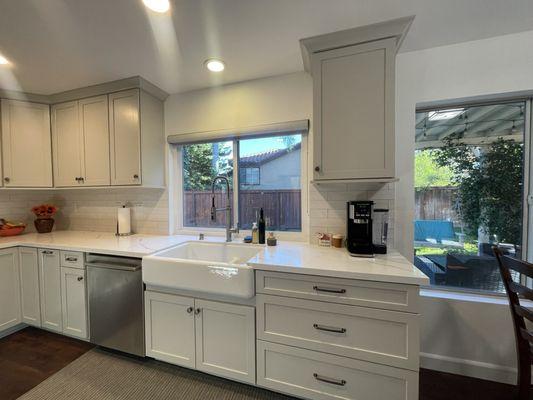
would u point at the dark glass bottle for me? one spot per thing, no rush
(261, 226)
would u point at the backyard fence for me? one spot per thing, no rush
(436, 203)
(282, 208)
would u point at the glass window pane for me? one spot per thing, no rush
(270, 178)
(468, 193)
(202, 163)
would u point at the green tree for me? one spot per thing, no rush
(202, 162)
(489, 181)
(428, 172)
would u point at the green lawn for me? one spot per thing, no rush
(469, 248)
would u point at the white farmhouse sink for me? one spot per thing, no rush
(216, 268)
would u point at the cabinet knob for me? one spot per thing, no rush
(317, 168)
(7, 179)
(190, 310)
(80, 278)
(197, 311)
(135, 176)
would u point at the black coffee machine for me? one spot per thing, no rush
(361, 241)
(359, 227)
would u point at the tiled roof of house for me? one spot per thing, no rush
(255, 160)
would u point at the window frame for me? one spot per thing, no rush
(176, 191)
(244, 170)
(527, 193)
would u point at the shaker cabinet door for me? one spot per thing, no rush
(353, 90)
(94, 126)
(50, 284)
(125, 132)
(74, 302)
(67, 144)
(10, 314)
(29, 286)
(26, 144)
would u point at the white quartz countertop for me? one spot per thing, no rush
(293, 257)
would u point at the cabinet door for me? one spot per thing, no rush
(74, 302)
(170, 328)
(67, 144)
(10, 314)
(94, 125)
(125, 138)
(26, 144)
(353, 90)
(29, 286)
(50, 285)
(225, 340)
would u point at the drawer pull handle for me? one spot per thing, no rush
(329, 290)
(329, 328)
(48, 252)
(333, 381)
(71, 259)
(190, 310)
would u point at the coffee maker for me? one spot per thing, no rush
(359, 229)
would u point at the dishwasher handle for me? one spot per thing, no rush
(120, 267)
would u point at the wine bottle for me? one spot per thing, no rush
(261, 226)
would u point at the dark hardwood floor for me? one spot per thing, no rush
(30, 356)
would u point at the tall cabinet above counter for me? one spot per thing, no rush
(110, 134)
(353, 101)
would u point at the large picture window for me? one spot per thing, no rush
(469, 191)
(264, 172)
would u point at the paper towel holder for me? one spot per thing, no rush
(125, 233)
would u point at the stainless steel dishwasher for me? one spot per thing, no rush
(116, 306)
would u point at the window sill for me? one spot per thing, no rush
(496, 299)
(280, 235)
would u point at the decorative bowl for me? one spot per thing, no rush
(12, 231)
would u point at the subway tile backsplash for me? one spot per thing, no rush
(327, 205)
(91, 209)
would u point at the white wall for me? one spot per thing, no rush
(459, 336)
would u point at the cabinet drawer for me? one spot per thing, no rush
(388, 296)
(386, 337)
(72, 259)
(319, 376)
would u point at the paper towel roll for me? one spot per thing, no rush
(124, 221)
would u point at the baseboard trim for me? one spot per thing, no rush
(471, 368)
(12, 330)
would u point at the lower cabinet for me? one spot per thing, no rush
(215, 337)
(73, 302)
(315, 375)
(50, 290)
(10, 312)
(29, 286)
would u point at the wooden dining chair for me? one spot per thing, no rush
(519, 313)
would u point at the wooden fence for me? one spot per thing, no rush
(282, 209)
(436, 203)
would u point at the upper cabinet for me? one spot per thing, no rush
(26, 145)
(353, 101)
(80, 133)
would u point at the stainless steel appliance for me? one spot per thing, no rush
(359, 229)
(116, 309)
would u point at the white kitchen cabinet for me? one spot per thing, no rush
(26, 144)
(136, 138)
(29, 286)
(225, 340)
(10, 312)
(80, 133)
(213, 337)
(169, 322)
(124, 110)
(67, 144)
(74, 302)
(353, 109)
(50, 290)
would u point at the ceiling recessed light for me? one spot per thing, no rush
(160, 6)
(3, 60)
(214, 65)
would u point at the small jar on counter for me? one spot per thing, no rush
(337, 240)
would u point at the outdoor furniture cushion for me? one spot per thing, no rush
(438, 230)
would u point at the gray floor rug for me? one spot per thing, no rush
(99, 374)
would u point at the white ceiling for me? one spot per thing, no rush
(57, 45)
